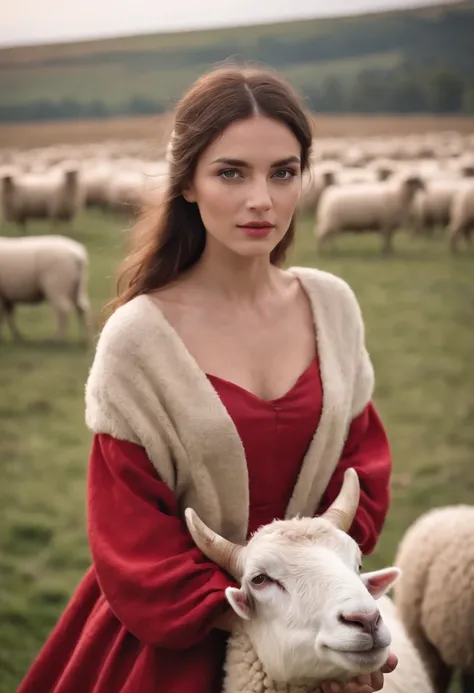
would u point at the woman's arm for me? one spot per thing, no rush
(157, 582)
(367, 450)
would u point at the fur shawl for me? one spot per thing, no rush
(145, 387)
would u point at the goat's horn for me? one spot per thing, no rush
(342, 511)
(224, 553)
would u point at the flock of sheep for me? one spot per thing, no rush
(417, 183)
(381, 184)
(378, 184)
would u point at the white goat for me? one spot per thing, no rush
(308, 614)
(38, 268)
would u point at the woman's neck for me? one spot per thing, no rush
(235, 278)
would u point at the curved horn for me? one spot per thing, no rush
(224, 553)
(341, 512)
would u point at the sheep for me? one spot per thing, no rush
(381, 206)
(38, 268)
(313, 186)
(435, 597)
(462, 215)
(307, 613)
(95, 180)
(431, 207)
(57, 196)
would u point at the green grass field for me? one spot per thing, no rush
(419, 312)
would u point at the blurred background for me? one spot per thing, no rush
(85, 117)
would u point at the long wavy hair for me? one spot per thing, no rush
(169, 238)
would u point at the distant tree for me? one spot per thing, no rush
(143, 105)
(447, 91)
(332, 95)
(369, 93)
(468, 99)
(407, 95)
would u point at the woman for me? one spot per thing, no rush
(220, 382)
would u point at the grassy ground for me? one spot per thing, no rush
(419, 311)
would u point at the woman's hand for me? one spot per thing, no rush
(226, 621)
(368, 683)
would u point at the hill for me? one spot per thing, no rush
(340, 65)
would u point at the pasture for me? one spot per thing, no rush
(157, 128)
(419, 311)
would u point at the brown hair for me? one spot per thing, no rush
(170, 237)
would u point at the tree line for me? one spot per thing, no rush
(407, 89)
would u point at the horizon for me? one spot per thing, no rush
(269, 14)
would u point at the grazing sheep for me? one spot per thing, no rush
(307, 613)
(95, 180)
(462, 215)
(56, 196)
(313, 186)
(381, 206)
(45, 268)
(435, 597)
(431, 207)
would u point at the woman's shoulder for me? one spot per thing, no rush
(327, 287)
(130, 326)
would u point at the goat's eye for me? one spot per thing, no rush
(260, 579)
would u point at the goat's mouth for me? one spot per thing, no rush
(362, 661)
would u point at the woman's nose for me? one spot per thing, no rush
(259, 197)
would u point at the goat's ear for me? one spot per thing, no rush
(239, 602)
(380, 581)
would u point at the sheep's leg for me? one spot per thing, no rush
(6, 309)
(85, 317)
(387, 243)
(327, 242)
(454, 234)
(11, 323)
(61, 306)
(467, 682)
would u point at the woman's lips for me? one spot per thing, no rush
(256, 231)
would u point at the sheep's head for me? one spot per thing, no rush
(412, 184)
(307, 608)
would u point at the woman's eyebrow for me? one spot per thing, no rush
(245, 164)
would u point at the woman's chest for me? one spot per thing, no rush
(266, 358)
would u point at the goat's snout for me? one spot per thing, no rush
(365, 622)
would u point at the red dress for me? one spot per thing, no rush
(141, 619)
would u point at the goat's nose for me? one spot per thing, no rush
(367, 622)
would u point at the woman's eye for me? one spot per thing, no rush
(285, 174)
(229, 174)
(260, 579)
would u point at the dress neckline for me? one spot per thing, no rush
(252, 395)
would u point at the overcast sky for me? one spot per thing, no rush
(41, 21)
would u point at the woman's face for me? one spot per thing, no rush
(247, 185)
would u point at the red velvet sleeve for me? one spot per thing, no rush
(367, 450)
(157, 582)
